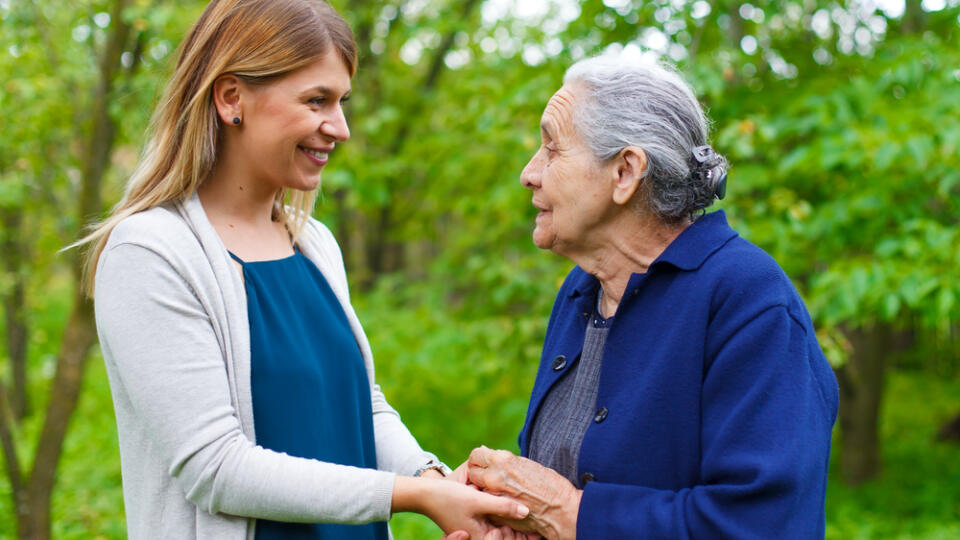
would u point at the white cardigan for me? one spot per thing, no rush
(171, 313)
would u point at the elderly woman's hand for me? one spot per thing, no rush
(553, 501)
(501, 533)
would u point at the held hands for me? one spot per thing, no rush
(553, 501)
(455, 507)
(494, 532)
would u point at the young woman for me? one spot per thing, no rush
(242, 380)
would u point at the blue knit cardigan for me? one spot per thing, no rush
(715, 404)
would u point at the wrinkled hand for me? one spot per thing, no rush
(460, 476)
(553, 501)
(455, 507)
(501, 533)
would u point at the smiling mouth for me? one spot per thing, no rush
(317, 156)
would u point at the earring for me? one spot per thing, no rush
(236, 120)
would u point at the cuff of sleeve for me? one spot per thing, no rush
(382, 498)
(417, 463)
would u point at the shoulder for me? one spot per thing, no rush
(152, 242)
(740, 267)
(319, 231)
(160, 229)
(318, 244)
(747, 281)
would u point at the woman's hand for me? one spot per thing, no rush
(454, 507)
(501, 533)
(459, 475)
(553, 501)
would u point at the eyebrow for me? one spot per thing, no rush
(546, 129)
(326, 90)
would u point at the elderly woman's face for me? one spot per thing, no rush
(570, 186)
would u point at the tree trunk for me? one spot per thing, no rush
(14, 307)
(861, 382)
(14, 474)
(950, 430)
(383, 255)
(914, 18)
(78, 337)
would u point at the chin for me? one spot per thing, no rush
(307, 184)
(542, 241)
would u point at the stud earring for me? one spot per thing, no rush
(236, 120)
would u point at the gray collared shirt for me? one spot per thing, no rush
(569, 407)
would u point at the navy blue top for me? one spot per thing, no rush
(311, 396)
(719, 402)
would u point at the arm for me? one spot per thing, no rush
(167, 360)
(765, 439)
(765, 445)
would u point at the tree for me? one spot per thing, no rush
(840, 182)
(110, 38)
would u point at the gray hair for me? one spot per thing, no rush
(644, 103)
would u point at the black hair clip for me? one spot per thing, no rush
(707, 165)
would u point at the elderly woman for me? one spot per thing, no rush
(681, 392)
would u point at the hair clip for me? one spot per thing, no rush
(708, 164)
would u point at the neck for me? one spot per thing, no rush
(231, 193)
(627, 247)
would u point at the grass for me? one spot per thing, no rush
(917, 496)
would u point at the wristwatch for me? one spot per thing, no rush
(436, 464)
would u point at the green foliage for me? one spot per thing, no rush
(917, 495)
(846, 168)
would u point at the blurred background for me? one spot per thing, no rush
(841, 121)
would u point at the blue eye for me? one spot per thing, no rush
(317, 100)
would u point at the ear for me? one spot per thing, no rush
(226, 97)
(629, 167)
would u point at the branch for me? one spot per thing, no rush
(79, 333)
(444, 48)
(436, 67)
(7, 426)
(45, 35)
(103, 129)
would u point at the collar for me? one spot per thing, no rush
(687, 252)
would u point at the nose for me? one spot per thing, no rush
(530, 176)
(335, 127)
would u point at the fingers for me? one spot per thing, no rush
(485, 457)
(494, 534)
(483, 479)
(479, 457)
(460, 474)
(506, 533)
(487, 468)
(504, 507)
(457, 535)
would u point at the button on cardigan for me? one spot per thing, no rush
(172, 318)
(719, 400)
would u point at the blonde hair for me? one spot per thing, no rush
(256, 40)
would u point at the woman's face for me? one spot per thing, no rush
(570, 186)
(290, 126)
